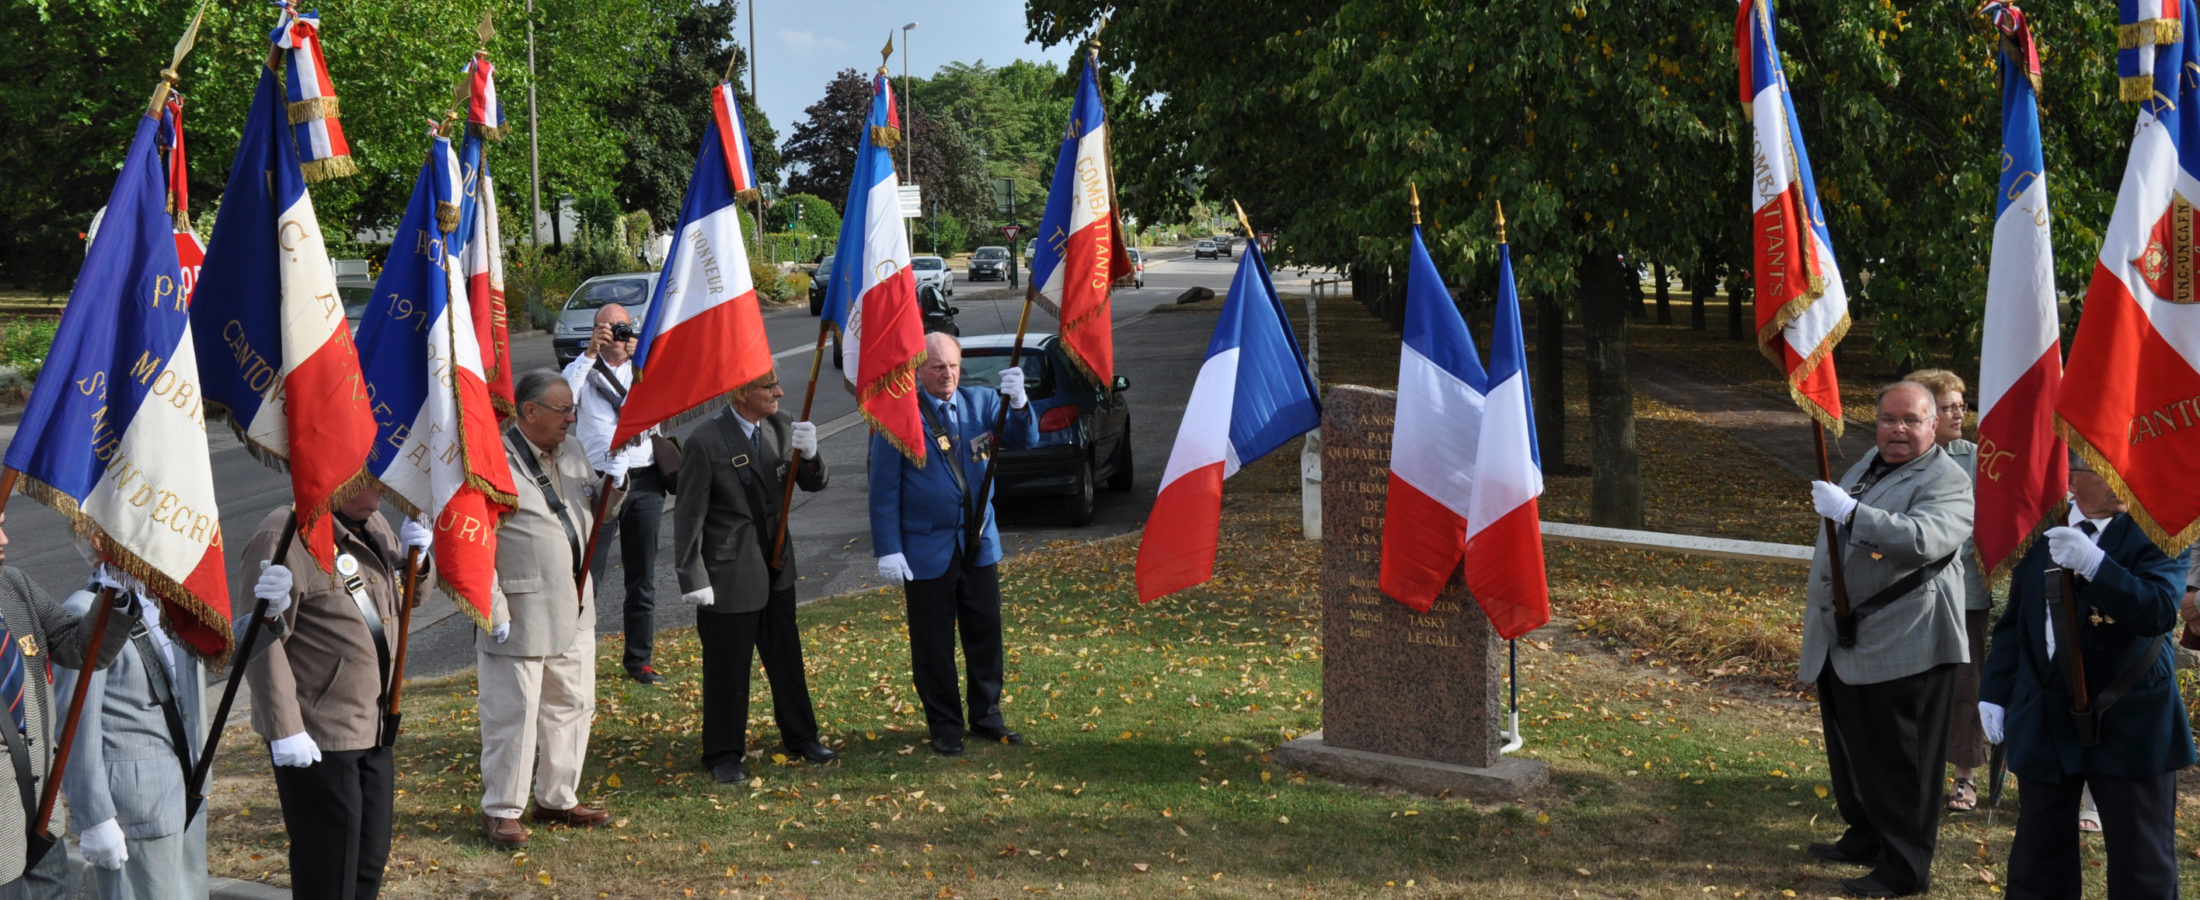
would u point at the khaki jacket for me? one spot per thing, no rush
(535, 590)
(322, 674)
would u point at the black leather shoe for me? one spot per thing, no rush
(814, 753)
(1868, 886)
(1002, 735)
(947, 746)
(646, 675)
(1834, 853)
(729, 772)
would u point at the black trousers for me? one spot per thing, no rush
(1885, 746)
(635, 530)
(728, 639)
(964, 601)
(2138, 823)
(338, 814)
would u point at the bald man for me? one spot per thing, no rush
(599, 378)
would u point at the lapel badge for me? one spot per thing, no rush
(740, 459)
(28, 644)
(347, 565)
(1878, 556)
(946, 443)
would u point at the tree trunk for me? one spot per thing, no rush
(1607, 293)
(1665, 295)
(1549, 386)
(557, 228)
(1738, 290)
(1701, 286)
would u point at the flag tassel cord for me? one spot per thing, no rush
(794, 458)
(194, 792)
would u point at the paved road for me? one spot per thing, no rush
(1160, 354)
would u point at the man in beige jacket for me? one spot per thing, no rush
(538, 662)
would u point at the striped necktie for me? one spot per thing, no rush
(11, 676)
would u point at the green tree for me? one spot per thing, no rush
(663, 115)
(816, 216)
(821, 153)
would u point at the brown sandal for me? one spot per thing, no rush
(1964, 798)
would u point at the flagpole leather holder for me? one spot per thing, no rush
(1844, 620)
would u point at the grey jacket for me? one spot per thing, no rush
(32, 615)
(535, 589)
(1976, 597)
(1915, 515)
(719, 541)
(123, 766)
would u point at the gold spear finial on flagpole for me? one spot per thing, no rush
(168, 76)
(1242, 221)
(486, 31)
(1501, 221)
(886, 54)
(1413, 198)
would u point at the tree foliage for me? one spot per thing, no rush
(821, 152)
(663, 115)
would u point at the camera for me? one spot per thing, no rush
(622, 331)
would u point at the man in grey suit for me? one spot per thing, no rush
(1902, 514)
(538, 662)
(33, 630)
(722, 534)
(144, 721)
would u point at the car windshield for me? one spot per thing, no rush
(622, 291)
(1135, 255)
(990, 253)
(1206, 245)
(982, 369)
(928, 263)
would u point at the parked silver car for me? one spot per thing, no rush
(933, 270)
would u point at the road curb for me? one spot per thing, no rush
(232, 889)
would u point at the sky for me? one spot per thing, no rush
(802, 44)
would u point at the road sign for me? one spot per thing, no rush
(912, 202)
(1010, 231)
(1267, 241)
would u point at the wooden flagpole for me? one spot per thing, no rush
(794, 457)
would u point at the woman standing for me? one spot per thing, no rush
(1966, 741)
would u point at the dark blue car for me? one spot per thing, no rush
(1084, 432)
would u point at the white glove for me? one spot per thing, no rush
(1989, 720)
(703, 597)
(274, 587)
(502, 632)
(803, 438)
(296, 751)
(2073, 550)
(416, 535)
(102, 845)
(615, 469)
(1012, 387)
(894, 567)
(1831, 501)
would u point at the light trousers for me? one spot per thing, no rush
(531, 703)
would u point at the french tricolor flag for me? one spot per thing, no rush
(1504, 562)
(1802, 307)
(481, 250)
(1252, 396)
(705, 333)
(1080, 253)
(1435, 440)
(190, 251)
(733, 142)
(2022, 464)
(273, 344)
(436, 449)
(313, 110)
(872, 297)
(114, 434)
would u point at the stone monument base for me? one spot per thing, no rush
(1511, 779)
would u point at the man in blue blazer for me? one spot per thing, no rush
(2123, 607)
(936, 540)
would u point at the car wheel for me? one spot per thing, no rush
(1120, 479)
(1082, 503)
(817, 304)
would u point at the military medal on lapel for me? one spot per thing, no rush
(347, 567)
(981, 448)
(28, 644)
(946, 443)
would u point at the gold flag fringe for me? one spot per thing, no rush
(491, 132)
(1818, 356)
(1100, 313)
(479, 618)
(155, 581)
(2137, 89)
(878, 387)
(886, 136)
(325, 169)
(505, 408)
(446, 216)
(304, 111)
(749, 195)
(266, 455)
(2149, 32)
(2170, 544)
(2001, 573)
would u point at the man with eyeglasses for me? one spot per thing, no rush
(1901, 516)
(723, 534)
(1966, 742)
(538, 661)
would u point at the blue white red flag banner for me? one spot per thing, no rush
(1253, 395)
(1080, 241)
(1802, 307)
(436, 448)
(312, 109)
(2022, 464)
(2127, 403)
(1504, 563)
(872, 297)
(733, 142)
(274, 346)
(1435, 440)
(481, 252)
(114, 435)
(190, 252)
(2148, 33)
(705, 333)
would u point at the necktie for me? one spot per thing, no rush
(11, 676)
(947, 418)
(2089, 528)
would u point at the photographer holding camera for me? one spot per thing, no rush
(600, 377)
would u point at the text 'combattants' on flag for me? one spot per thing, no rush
(1802, 307)
(1079, 252)
(872, 294)
(1252, 395)
(114, 434)
(436, 449)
